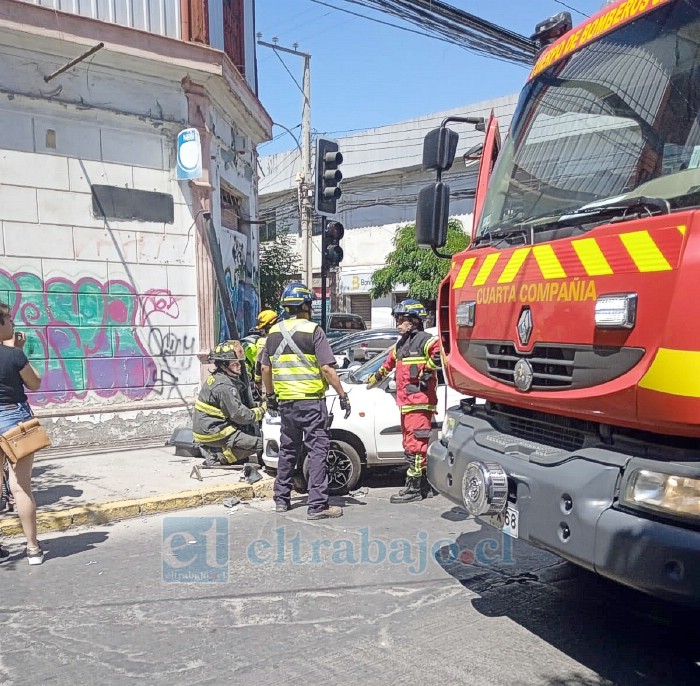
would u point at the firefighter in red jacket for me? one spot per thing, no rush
(416, 357)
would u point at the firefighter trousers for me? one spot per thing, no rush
(416, 428)
(303, 420)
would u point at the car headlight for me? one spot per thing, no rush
(448, 428)
(676, 495)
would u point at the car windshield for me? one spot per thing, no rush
(616, 119)
(347, 323)
(362, 374)
(344, 342)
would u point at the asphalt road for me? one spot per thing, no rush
(384, 595)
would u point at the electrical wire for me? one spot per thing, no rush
(573, 9)
(456, 26)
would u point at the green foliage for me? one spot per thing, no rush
(420, 269)
(279, 263)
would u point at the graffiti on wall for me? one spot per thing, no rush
(83, 337)
(240, 271)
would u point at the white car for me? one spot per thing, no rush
(370, 436)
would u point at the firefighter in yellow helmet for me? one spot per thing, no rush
(222, 420)
(266, 320)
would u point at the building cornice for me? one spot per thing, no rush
(67, 35)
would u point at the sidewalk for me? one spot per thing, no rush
(98, 488)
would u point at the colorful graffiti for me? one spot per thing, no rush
(82, 337)
(240, 281)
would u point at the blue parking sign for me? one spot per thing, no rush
(195, 549)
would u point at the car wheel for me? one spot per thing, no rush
(344, 468)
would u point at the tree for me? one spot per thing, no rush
(419, 269)
(278, 265)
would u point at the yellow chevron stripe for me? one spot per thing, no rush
(513, 267)
(548, 262)
(645, 253)
(682, 229)
(591, 257)
(464, 272)
(486, 268)
(676, 372)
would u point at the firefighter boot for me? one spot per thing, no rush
(410, 493)
(213, 458)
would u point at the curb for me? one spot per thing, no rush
(95, 514)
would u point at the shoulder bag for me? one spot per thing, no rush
(23, 440)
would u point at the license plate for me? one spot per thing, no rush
(506, 521)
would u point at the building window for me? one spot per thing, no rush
(230, 210)
(268, 232)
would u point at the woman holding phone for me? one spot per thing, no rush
(16, 375)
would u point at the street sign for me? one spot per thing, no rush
(189, 155)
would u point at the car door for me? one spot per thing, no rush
(387, 422)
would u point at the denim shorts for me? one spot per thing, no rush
(12, 415)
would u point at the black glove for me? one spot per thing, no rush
(345, 405)
(424, 380)
(272, 403)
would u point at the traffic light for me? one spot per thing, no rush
(328, 176)
(333, 252)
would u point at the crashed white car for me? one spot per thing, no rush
(369, 437)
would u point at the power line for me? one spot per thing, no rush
(457, 26)
(573, 9)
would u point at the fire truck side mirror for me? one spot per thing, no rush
(432, 213)
(439, 149)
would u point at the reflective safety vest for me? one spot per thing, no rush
(250, 348)
(259, 346)
(296, 374)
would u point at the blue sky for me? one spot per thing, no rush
(365, 74)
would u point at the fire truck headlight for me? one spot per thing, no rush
(664, 493)
(448, 428)
(465, 314)
(616, 311)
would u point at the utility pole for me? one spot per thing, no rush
(305, 177)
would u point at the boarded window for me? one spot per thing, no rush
(114, 202)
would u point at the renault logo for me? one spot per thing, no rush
(525, 326)
(522, 375)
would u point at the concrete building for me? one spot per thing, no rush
(103, 252)
(382, 175)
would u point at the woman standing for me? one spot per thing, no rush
(16, 374)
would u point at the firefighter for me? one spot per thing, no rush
(416, 357)
(266, 319)
(297, 367)
(221, 417)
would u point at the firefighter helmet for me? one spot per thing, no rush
(266, 318)
(296, 294)
(410, 308)
(228, 351)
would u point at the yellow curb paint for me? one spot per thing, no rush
(10, 527)
(102, 513)
(170, 503)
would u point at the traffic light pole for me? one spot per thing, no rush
(324, 272)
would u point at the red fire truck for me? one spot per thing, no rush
(575, 311)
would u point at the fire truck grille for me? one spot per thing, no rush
(555, 367)
(558, 432)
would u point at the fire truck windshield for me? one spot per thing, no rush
(616, 119)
